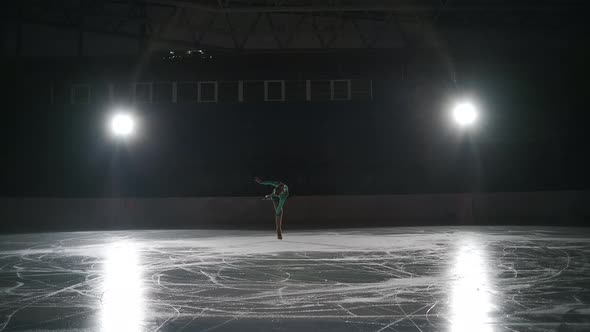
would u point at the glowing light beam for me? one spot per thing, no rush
(465, 114)
(122, 124)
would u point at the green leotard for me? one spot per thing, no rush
(282, 197)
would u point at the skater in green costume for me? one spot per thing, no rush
(278, 197)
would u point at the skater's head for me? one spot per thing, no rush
(281, 188)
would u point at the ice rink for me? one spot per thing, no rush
(390, 279)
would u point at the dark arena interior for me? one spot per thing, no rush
(294, 165)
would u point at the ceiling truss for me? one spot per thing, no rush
(288, 25)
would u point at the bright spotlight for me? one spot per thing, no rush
(465, 114)
(122, 125)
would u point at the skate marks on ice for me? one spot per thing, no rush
(399, 279)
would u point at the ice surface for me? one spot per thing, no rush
(396, 279)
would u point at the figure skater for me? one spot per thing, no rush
(279, 198)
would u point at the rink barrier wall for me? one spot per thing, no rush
(523, 208)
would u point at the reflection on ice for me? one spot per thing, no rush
(122, 299)
(470, 298)
(403, 279)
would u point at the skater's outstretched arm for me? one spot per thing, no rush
(270, 183)
(267, 183)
